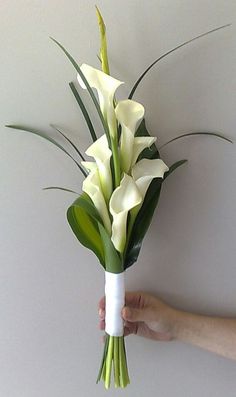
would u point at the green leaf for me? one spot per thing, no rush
(69, 140)
(148, 153)
(142, 222)
(173, 167)
(81, 220)
(60, 188)
(49, 139)
(87, 225)
(169, 52)
(197, 133)
(90, 91)
(83, 110)
(103, 46)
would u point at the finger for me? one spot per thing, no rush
(101, 304)
(101, 314)
(133, 298)
(102, 325)
(133, 315)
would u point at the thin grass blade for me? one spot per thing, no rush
(197, 133)
(91, 93)
(169, 52)
(49, 139)
(83, 110)
(60, 188)
(69, 140)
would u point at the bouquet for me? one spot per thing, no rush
(122, 183)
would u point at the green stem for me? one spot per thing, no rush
(116, 161)
(109, 362)
(116, 362)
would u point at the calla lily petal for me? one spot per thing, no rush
(106, 87)
(92, 186)
(100, 151)
(145, 170)
(141, 143)
(129, 113)
(124, 198)
(89, 165)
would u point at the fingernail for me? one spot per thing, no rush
(126, 312)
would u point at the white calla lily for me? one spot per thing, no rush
(129, 113)
(100, 151)
(145, 170)
(92, 186)
(141, 143)
(123, 199)
(106, 87)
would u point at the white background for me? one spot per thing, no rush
(50, 344)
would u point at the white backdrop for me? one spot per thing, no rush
(50, 344)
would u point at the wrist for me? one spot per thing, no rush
(177, 323)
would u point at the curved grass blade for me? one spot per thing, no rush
(174, 166)
(94, 99)
(42, 135)
(142, 222)
(83, 110)
(60, 188)
(169, 52)
(69, 140)
(197, 133)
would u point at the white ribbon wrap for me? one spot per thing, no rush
(115, 301)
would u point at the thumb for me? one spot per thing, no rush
(132, 314)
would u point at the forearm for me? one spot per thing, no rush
(215, 334)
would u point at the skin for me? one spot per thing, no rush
(148, 316)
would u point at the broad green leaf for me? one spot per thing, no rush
(148, 153)
(169, 52)
(68, 140)
(81, 220)
(197, 133)
(103, 46)
(142, 222)
(49, 139)
(112, 258)
(60, 188)
(84, 111)
(173, 167)
(87, 225)
(91, 93)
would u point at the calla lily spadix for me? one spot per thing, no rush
(106, 87)
(92, 186)
(100, 151)
(123, 199)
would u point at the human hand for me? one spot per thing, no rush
(144, 315)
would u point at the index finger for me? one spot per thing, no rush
(101, 304)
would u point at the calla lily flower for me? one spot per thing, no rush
(129, 114)
(106, 87)
(145, 170)
(123, 199)
(100, 151)
(92, 186)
